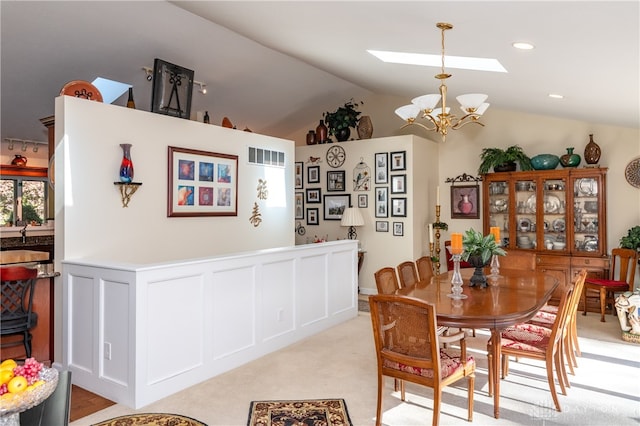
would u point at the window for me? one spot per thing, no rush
(23, 200)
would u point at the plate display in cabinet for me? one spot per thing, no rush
(587, 187)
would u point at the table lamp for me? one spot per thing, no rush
(351, 217)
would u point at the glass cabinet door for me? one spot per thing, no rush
(554, 214)
(587, 213)
(526, 206)
(499, 208)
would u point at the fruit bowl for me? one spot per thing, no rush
(12, 404)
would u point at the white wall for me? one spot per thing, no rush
(382, 248)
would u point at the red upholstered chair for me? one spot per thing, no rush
(407, 348)
(17, 315)
(621, 277)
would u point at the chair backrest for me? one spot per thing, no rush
(404, 331)
(17, 285)
(425, 268)
(407, 273)
(516, 259)
(578, 285)
(563, 316)
(54, 410)
(449, 257)
(626, 260)
(386, 280)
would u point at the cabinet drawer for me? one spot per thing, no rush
(590, 262)
(553, 260)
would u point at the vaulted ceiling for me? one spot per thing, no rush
(276, 66)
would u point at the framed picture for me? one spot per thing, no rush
(172, 89)
(382, 226)
(382, 168)
(202, 183)
(313, 195)
(334, 206)
(382, 201)
(312, 216)
(335, 180)
(399, 184)
(299, 205)
(399, 207)
(398, 161)
(363, 201)
(313, 174)
(298, 183)
(398, 229)
(465, 202)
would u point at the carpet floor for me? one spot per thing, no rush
(341, 363)
(329, 412)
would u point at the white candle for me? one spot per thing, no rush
(437, 196)
(430, 233)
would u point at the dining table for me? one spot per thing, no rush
(511, 297)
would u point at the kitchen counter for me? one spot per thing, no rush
(22, 256)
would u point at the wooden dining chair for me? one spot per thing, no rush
(407, 348)
(407, 274)
(535, 342)
(386, 280)
(425, 268)
(620, 279)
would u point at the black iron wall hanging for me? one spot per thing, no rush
(172, 89)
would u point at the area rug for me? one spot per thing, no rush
(363, 305)
(311, 412)
(151, 419)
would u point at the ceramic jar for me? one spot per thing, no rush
(570, 159)
(19, 160)
(545, 162)
(322, 132)
(592, 152)
(365, 127)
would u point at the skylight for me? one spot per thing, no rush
(110, 89)
(458, 62)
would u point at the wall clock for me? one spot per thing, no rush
(336, 156)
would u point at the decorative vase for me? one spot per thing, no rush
(570, 159)
(19, 160)
(343, 134)
(592, 152)
(465, 205)
(365, 127)
(321, 132)
(505, 167)
(311, 138)
(545, 162)
(130, 102)
(126, 166)
(478, 278)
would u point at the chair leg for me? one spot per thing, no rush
(490, 372)
(552, 385)
(379, 408)
(402, 395)
(561, 372)
(471, 386)
(574, 335)
(437, 396)
(603, 300)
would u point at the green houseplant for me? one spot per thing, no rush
(477, 250)
(497, 157)
(632, 239)
(341, 120)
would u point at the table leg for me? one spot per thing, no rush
(496, 356)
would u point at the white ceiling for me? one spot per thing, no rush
(276, 66)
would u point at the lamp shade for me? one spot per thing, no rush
(472, 100)
(408, 112)
(426, 102)
(352, 217)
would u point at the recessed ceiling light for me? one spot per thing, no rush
(523, 45)
(555, 96)
(458, 62)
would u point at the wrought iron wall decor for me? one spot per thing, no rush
(172, 89)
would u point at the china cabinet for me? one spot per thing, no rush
(558, 214)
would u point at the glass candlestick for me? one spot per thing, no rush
(495, 266)
(456, 281)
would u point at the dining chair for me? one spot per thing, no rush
(407, 273)
(546, 318)
(17, 316)
(54, 410)
(407, 348)
(541, 343)
(425, 268)
(605, 288)
(386, 280)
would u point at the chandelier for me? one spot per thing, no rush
(440, 119)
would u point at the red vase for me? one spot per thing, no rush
(465, 205)
(126, 166)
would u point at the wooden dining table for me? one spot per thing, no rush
(513, 297)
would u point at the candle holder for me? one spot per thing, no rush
(495, 266)
(431, 255)
(456, 281)
(437, 242)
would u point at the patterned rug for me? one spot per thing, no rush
(363, 305)
(329, 412)
(151, 419)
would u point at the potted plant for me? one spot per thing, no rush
(632, 240)
(503, 159)
(477, 250)
(341, 120)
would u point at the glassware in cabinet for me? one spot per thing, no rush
(499, 207)
(525, 213)
(554, 214)
(587, 210)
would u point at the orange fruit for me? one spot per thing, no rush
(6, 375)
(17, 384)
